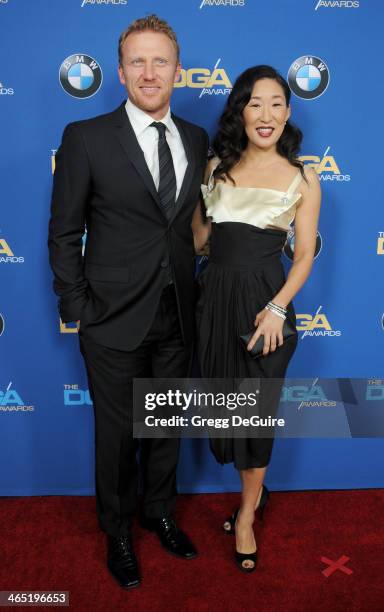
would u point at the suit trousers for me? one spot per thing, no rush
(162, 354)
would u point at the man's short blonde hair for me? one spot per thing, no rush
(152, 23)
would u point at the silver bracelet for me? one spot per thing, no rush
(275, 311)
(277, 307)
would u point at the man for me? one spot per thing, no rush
(133, 178)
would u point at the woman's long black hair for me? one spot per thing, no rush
(231, 139)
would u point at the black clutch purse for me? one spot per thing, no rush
(257, 351)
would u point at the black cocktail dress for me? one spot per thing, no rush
(243, 274)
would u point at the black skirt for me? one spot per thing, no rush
(243, 274)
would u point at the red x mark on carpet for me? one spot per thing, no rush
(335, 565)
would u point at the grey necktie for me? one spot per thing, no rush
(167, 183)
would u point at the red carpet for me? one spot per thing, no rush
(53, 543)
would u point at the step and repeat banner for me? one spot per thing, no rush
(58, 63)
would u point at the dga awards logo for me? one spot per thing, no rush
(68, 328)
(10, 401)
(73, 396)
(309, 397)
(315, 325)
(211, 82)
(103, 2)
(326, 167)
(289, 247)
(374, 390)
(308, 77)
(80, 76)
(53, 160)
(2, 324)
(337, 4)
(230, 3)
(380, 244)
(7, 255)
(6, 91)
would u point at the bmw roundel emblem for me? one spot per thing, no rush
(289, 246)
(308, 77)
(80, 75)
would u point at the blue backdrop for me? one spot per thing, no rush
(331, 51)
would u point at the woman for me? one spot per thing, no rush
(255, 188)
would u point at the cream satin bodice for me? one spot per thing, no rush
(257, 206)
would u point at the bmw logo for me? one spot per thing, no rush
(289, 246)
(308, 77)
(80, 76)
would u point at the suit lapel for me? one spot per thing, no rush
(128, 141)
(190, 169)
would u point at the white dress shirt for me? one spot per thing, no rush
(148, 137)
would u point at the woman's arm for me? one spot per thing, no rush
(201, 225)
(269, 324)
(306, 221)
(201, 228)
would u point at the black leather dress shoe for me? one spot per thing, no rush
(122, 562)
(171, 537)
